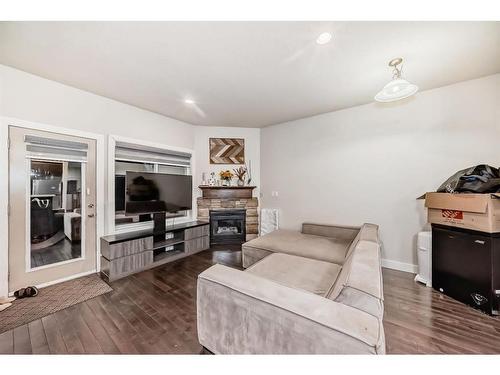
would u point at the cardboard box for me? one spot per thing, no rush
(479, 212)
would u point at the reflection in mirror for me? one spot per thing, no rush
(55, 212)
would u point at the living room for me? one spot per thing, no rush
(249, 187)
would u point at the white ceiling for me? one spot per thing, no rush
(249, 74)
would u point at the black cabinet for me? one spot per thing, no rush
(466, 266)
(43, 223)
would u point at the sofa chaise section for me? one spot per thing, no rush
(311, 275)
(242, 313)
(316, 241)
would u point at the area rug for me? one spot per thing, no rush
(51, 299)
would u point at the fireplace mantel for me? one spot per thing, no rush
(226, 192)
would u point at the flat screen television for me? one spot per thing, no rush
(157, 192)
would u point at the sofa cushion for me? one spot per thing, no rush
(359, 284)
(251, 255)
(367, 232)
(305, 245)
(333, 231)
(311, 275)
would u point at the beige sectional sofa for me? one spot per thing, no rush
(318, 291)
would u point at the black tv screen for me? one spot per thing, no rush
(157, 192)
(119, 193)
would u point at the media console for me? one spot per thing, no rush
(128, 253)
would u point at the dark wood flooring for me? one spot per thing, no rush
(155, 312)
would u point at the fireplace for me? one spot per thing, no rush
(230, 200)
(227, 226)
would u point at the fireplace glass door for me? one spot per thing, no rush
(227, 226)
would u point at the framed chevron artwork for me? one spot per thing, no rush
(227, 150)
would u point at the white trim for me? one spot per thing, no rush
(48, 158)
(83, 215)
(49, 283)
(150, 146)
(399, 266)
(67, 278)
(110, 212)
(27, 213)
(5, 122)
(151, 162)
(4, 217)
(421, 280)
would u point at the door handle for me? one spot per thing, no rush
(90, 205)
(90, 215)
(479, 242)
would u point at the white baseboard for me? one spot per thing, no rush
(76, 276)
(399, 266)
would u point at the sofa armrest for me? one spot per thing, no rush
(242, 313)
(333, 231)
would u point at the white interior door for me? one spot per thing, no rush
(52, 190)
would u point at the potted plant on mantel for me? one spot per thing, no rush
(240, 173)
(226, 177)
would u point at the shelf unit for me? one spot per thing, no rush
(129, 253)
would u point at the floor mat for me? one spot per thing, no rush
(51, 299)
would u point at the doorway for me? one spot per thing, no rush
(52, 194)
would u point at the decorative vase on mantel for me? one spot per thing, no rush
(240, 173)
(226, 177)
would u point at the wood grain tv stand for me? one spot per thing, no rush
(128, 253)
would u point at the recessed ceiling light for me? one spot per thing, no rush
(189, 101)
(324, 38)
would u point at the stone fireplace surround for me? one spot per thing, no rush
(229, 202)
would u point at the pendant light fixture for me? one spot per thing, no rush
(398, 88)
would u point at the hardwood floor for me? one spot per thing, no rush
(155, 312)
(418, 319)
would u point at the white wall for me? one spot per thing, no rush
(31, 98)
(201, 147)
(369, 163)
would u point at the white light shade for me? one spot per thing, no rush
(324, 38)
(395, 90)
